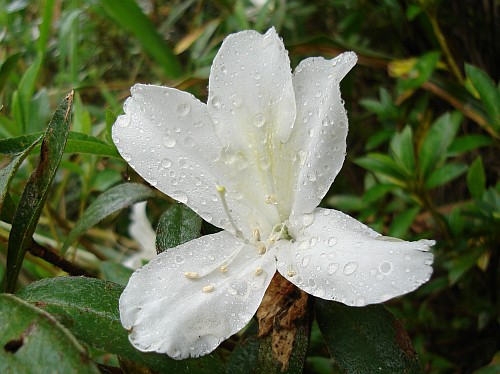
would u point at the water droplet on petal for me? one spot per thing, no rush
(306, 260)
(183, 109)
(223, 69)
(166, 163)
(385, 267)
(189, 141)
(259, 120)
(307, 219)
(180, 196)
(216, 102)
(350, 267)
(179, 259)
(169, 141)
(333, 241)
(332, 268)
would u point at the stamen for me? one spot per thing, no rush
(256, 235)
(208, 289)
(262, 249)
(271, 199)
(291, 273)
(258, 271)
(223, 269)
(222, 193)
(191, 274)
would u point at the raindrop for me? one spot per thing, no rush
(306, 260)
(180, 196)
(223, 69)
(333, 241)
(350, 267)
(183, 109)
(216, 102)
(307, 219)
(332, 268)
(259, 120)
(385, 267)
(313, 241)
(169, 141)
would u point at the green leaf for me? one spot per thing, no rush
(436, 142)
(109, 202)
(402, 222)
(37, 189)
(444, 174)
(8, 172)
(128, 15)
(469, 143)
(254, 354)
(420, 72)
(89, 309)
(402, 150)
(33, 341)
(346, 203)
(77, 143)
(487, 92)
(376, 192)
(177, 225)
(476, 179)
(366, 340)
(383, 164)
(114, 272)
(6, 68)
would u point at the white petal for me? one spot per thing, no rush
(250, 89)
(335, 257)
(320, 131)
(167, 312)
(141, 231)
(167, 136)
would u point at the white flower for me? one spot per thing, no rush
(256, 162)
(141, 231)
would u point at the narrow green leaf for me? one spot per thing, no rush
(444, 174)
(8, 172)
(402, 222)
(109, 202)
(366, 340)
(469, 143)
(77, 143)
(376, 192)
(177, 225)
(89, 309)
(127, 14)
(436, 142)
(254, 354)
(32, 341)
(7, 68)
(402, 150)
(37, 189)
(383, 164)
(45, 26)
(476, 179)
(487, 92)
(420, 73)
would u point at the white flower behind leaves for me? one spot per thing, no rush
(256, 160)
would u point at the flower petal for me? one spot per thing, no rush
(335, 257)
(250, 90)
(320, 130)
(168, 137)
(142, 232)
(169, 312)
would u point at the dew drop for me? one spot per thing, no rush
(180, 196)
(183, 110)
(332, 268)
(223, 69)
(385, 267)
(216, 102)
(305, 261)
(259, 120)
(169, 141)
(307, 219)
(333, 241)
(313, 241)
(350, 267)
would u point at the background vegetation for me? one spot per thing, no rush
(422, 161)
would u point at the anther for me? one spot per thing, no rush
(258, 271)
(291, 273)
(256, 235)
(191, 274)
(208, 289)
(223, 269)
(271, 199)
(261, 249)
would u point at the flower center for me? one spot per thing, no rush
(279, 232)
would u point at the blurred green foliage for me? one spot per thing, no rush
(423, 146)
